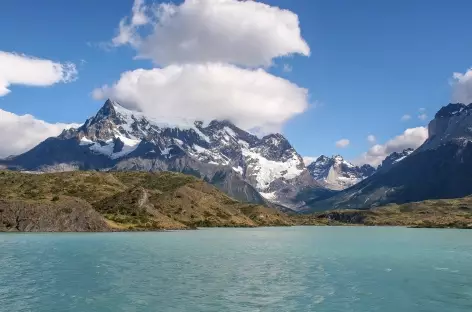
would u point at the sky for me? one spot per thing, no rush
(357, 78)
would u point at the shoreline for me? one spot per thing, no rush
(235, 228)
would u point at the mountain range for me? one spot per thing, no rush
(249, 168)
(440, 168)
(263, 170)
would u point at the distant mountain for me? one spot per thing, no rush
(336, 173)
(394, 158)
(439, 169)
(241, 164)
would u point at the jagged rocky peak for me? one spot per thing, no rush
(452, 123)
(277, 147)
(322, 159)
(336, 173)
(395, 157)
(367, 170)
(452, 109)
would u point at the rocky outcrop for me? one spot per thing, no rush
(61, 215)
(394, 158)
(336, 173)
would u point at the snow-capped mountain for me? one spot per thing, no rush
(238, 162)
(394, 158)
(440, 168)
(336, 173)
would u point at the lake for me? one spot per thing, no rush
(264, 269)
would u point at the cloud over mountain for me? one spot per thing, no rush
(462, 87)
(410, 138)
(21, 133)
(249, 98)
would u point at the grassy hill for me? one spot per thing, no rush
(106, 201)
(444, 213)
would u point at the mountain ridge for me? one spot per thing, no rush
(252, 169)
(440, 168)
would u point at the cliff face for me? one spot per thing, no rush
(335, 173)
(64, 215)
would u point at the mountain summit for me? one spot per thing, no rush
(336, 173)
(243, 165)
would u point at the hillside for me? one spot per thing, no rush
(100, 201)
(443, 213)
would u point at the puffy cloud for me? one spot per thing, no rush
(309, 159)
(422, 116)
(249, 98)
(26, 70)
(371, 138)
(410, 138)
(21, 133)
(127, 29)
(462, 87)
(342, 143)
(406, 117)
(247, 33)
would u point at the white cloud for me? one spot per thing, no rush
(249, 98)
(309, 159)
(287, 68)
(247, 33)
(21, 133)
(139, 16)
(406, 117)
(342, 143)
(26, 70)
(422, 116)
(127, 29)
(462, 87)
(371, 138)
(410, 138)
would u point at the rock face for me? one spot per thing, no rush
(336, 173)
(241, 164)
(394, 158)
(440, 168)
(65, 215)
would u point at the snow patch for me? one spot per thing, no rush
(265, 171)
(269, 196)
(238, 169)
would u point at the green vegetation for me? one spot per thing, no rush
(131, 200)
(136, 201)
(444, 213)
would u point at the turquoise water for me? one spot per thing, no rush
(265, 269)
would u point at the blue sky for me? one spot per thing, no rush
(371, 63)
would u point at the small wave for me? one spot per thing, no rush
(446, 269)
(319, 299)
(388, 270)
